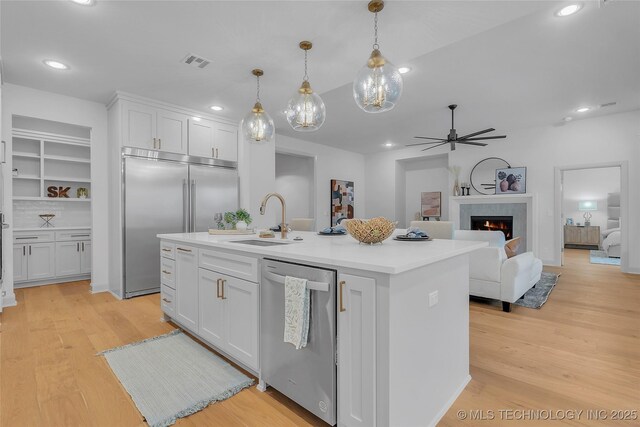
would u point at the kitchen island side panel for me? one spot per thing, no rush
(428, 346)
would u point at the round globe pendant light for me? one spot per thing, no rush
(257, 126)
(305, 110)
(378, 85)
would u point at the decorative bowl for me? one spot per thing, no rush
(370, 231)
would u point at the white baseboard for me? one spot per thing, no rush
(9, 300)
(450, 402)
(114, 294)
(550, 263)
(95, 289)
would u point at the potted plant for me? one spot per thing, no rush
(243, 219)
(230, 219)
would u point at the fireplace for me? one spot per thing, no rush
(494, 223)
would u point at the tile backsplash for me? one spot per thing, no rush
(67, 214)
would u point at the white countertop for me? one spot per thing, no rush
(391, 257)
(86, 227)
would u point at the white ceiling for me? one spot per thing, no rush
(507, 64)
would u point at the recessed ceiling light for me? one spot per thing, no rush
(404, 70)
(217, 108)
(196, 119)
(84, 2)
(389, 144)
(55, 64)
(569, 10)
(583, 109)
(567, 119)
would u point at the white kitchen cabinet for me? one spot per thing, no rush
(171, 132)
(241, 319)
(20, 263)
(68, 258)
(153, 128)
(41, 263)
(73, 258)
(187, 286)
(229, 315)
(139, 126)
(211, 326)
(85, 257)
(225, 140)
(208, 138)
(356, 351)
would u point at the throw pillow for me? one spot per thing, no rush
(511, 247)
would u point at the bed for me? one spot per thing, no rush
(610, 238)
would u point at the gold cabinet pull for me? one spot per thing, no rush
(342, 283)
(154, 143)
(223, 281)
(166, 250)
(218, 288)
(166, 272)
(216, 153)
(213, 152)
(184, 250)
(159, 144)
(166, 300)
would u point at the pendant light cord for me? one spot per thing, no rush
(258, 89)
(375, 31)
(306, 76)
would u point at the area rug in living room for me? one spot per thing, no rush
(537, 296)
(172, 376)
(601, 257)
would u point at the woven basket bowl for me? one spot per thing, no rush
(370, 231)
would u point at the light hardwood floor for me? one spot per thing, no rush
(581, 351)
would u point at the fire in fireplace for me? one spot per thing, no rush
(494, 223)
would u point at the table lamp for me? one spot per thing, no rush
(586, 206)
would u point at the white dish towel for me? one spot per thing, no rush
(296, 311)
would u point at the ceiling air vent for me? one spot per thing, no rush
(195, 61)
(608, 104)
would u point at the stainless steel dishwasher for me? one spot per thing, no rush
(306, 376)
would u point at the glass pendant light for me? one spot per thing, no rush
(378, 85)
(257, 126)
(305, 110)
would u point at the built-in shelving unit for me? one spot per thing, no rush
(42, 160)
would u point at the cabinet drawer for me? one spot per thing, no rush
(71, 235)
(239, 266)
(168, 250)
(167, 300)
(167, 272)
(33, 236)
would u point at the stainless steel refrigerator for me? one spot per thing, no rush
(168, 193)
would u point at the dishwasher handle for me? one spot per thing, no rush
(313, 286)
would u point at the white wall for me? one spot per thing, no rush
(19, 100)
(593, 185)
(295, 180)
(422, 175)
(330, 163)
(581, 142)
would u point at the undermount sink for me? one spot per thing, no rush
(259, 242)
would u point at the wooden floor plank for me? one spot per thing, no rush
(580, 351)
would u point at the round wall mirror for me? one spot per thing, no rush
(483, 174)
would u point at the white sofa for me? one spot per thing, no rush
(493, 275)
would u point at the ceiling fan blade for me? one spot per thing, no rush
(423, 143)
(476, 133)
(471, 143)
(428, 137)
(480, 138)
(429, 148)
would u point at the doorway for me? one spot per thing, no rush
(295, 180)
(591, 215)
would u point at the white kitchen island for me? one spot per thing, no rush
(403, 331)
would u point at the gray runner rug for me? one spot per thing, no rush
(172, 376)
(536, 297)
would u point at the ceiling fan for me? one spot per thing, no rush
(454, 139)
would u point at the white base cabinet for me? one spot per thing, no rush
(221, 309)
(187, 286)
(35, 261)
(356, 351)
